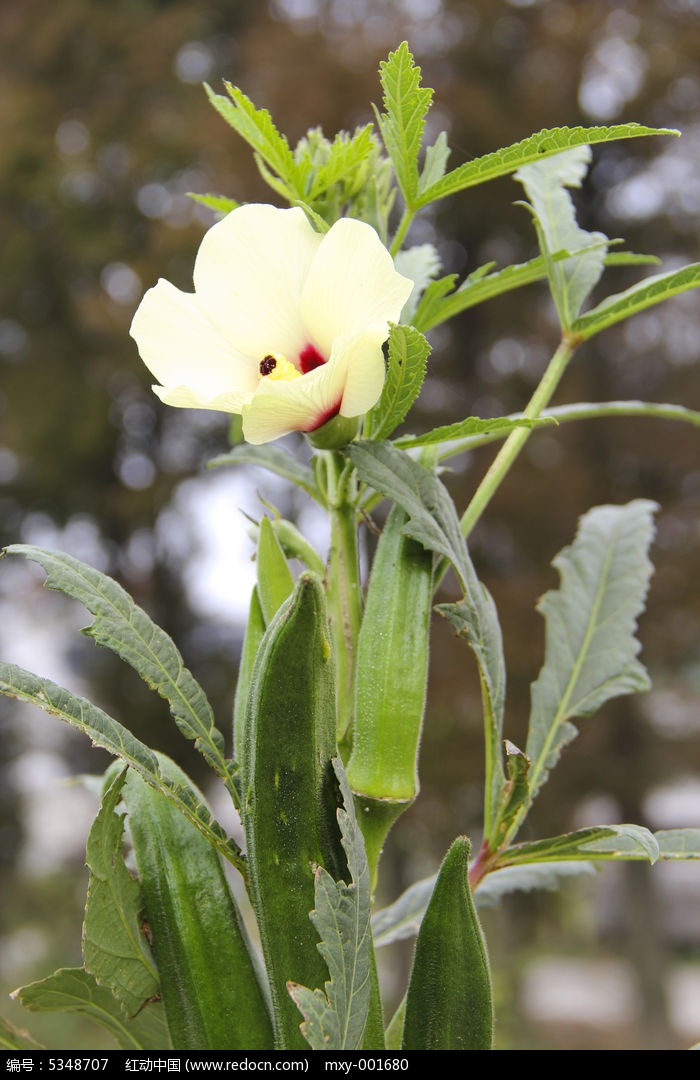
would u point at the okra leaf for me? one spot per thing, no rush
(449, 1002)
(678, 843)
(75, 990)
(112, 736)
(546, 184)
(408, 355)
(257, 128)
(406, 105)
(591, 844)
(220, 203)
(590, 647)
(115, 950)
(274, 460)
(13, 1038)
(402, 919)
(254, 630)
(473, 425)
(436, 157)
(345, 156)
(534, 148)
(123, 627)
(653, 290)
(335, 1018)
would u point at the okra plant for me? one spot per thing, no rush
(312, 317)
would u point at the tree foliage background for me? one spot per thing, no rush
(104, 129)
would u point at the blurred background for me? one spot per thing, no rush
(104, 129)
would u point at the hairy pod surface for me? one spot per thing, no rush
(291, 796)
(449, 1003)
(211, 988)
(392, 668)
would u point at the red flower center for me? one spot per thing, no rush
(309, 359)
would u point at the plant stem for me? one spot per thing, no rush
(343, 585)
(517, 438)
(404, 226)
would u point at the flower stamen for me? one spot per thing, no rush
(276, 367)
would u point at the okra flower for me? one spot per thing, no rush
(285, 325)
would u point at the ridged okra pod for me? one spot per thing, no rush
(449, 1002)
(391, 682)
(211, 987)
(290, 799)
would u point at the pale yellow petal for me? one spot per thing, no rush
(249, 275)
(351, 284)
(181, 347)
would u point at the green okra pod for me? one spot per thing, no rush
(449, 1002)
(291, 798)
(213, 993)
(390, 682)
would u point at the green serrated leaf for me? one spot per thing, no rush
(534, 148)
(220, 203)
(274, 460)
(117, 740)
(644, 294)
(123, 627)
(441, 301)
(257, 128)
(402, 124)
(433, 519)
(408, 355)
(546, 184)
(115, 950)
(595, 843)
(591, 651)
(336, 1019)
(74, 990)
(678, 843)
(346, 155)
(436, 157)
(472, 426)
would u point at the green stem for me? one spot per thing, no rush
(404, 226)
(343, 585)
(518, 437)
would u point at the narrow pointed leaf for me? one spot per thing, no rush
(257, 128)
(546, 184)
(591, 651)
(436, 157)
(274, 460)
(74, 990)
(472, 426)
(345, 157)
(449, 1002)
(112, 736)
(534, 148)
(115, 950)
(644, 294)
(406, 105)
(275, 581)
(255, 628)
(123, 627)
(595, 843)
(220, 203)
(678, 843)
(335, 1017)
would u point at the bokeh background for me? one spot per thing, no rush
(104, 129)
